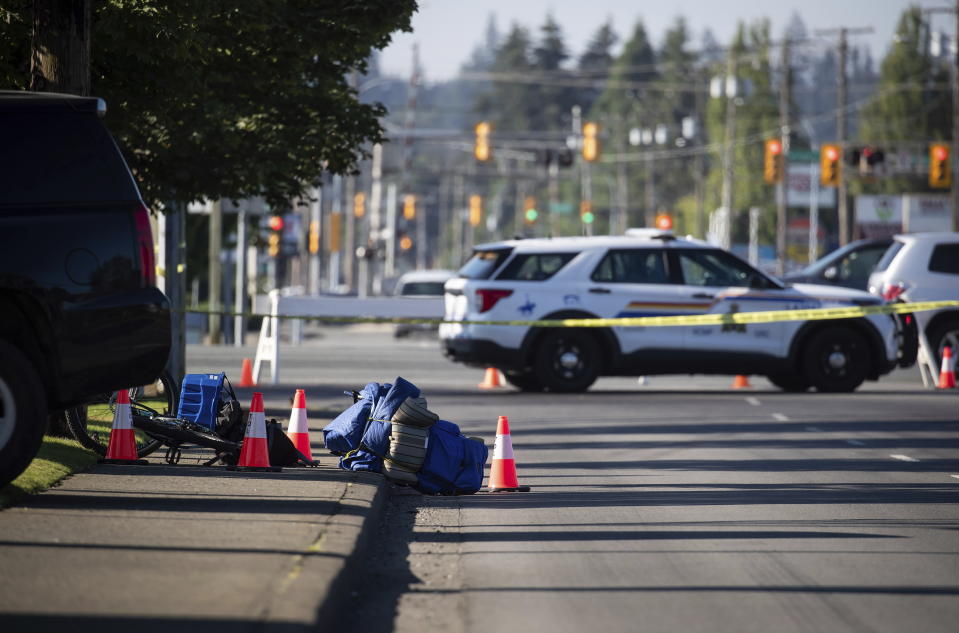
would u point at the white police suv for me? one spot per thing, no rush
(652, 273)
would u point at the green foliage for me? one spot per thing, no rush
(58, 458)
(234, 98)
(912, 105)
(757, 118)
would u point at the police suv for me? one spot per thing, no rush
(653, 273)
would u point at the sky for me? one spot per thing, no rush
(447, 31)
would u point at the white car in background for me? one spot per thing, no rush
(652, 273)
(420, 283)
(923, 267)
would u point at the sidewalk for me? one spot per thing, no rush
(185, 548)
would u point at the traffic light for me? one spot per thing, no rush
(664, 222)
(314, 237)
(829, 166)
(359, 205)
(482, 150)
(406, 243)
(529, 210)
(773, 163)
(869, 158)
(590, 142)
(476, 210)
(273, 241)
(409, 207)
(940, 168)
(586, 211)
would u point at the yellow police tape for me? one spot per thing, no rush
(812, 314)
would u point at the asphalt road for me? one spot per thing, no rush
(678, 505)
(682, 505)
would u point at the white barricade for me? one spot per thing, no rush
(298, 305)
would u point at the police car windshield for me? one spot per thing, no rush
(483, 263)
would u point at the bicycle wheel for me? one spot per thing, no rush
(90, 424)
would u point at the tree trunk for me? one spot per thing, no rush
(60, 56)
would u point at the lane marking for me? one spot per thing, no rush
(780, 417)
(954, 476)
(753, 401)
(814, 429)
(856, 442)
(904, 458)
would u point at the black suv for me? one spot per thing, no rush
(80, 314)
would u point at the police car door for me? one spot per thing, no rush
(635, 282)
(721, 283)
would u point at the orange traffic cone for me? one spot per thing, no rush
(255, 453)
(741, 382)
(947, 373)
(298, 431)
(502, 472)
(491, 380)
(122, 448)
(246, 374)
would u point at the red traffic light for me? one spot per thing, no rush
(940, 152)
(276, 223)
(832, 153)
(775, 147)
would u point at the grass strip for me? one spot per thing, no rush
(57, 459)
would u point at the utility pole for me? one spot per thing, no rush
(239, 295)
(376, 202)
(409, 124)
(782, 187)
(726, 240)
(699, 165)
(171, 279)
(215, 270)
(842, 193)
(843, 189)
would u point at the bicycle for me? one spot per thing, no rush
(90, 424)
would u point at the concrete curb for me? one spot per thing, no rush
(330, 570)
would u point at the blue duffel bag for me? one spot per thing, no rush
(454, 463)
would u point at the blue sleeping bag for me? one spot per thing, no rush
(366, 430)
(454, 463)
(343, 434)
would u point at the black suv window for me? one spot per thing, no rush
(637, 266)
(483, 263)
(718, 268)
(71, 150)
(535, 266)
(945, 259)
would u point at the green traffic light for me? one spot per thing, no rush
(531, 215)
(588, 218)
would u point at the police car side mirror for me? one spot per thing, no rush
(831, 273)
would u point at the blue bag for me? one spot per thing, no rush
(454, 463)
(201, 397)
(343, 434)
(366, 430)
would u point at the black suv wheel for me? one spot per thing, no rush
(835, 359)
(567, 360)
(23, 412)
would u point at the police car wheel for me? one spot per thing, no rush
(836, 360)
(567, 361)
(523, 381)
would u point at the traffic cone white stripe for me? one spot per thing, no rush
(123, 418)
(256, 425)
(298, 421)
(503, 447)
